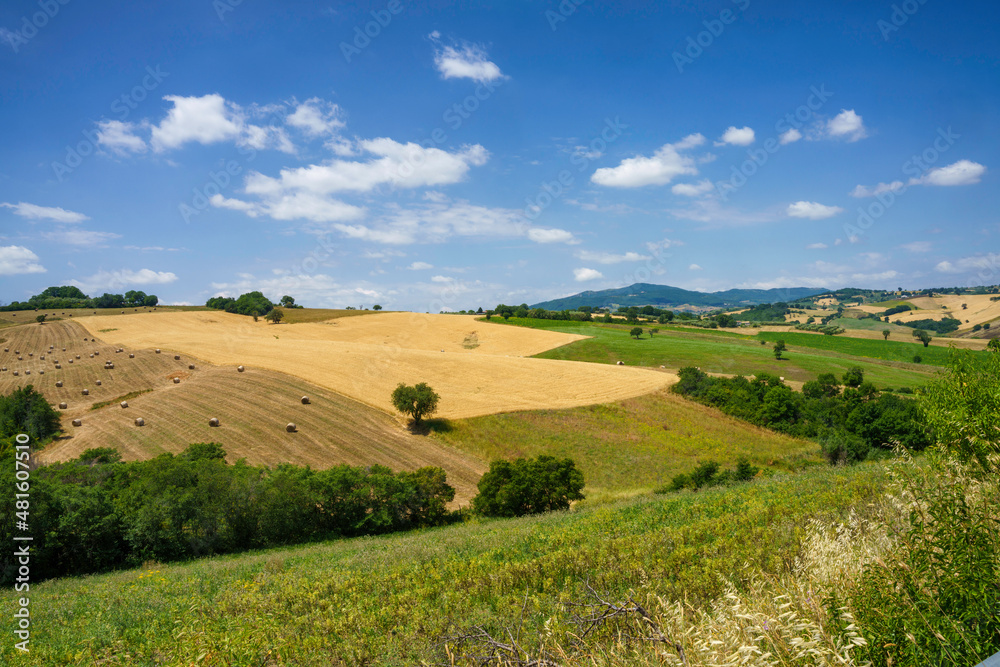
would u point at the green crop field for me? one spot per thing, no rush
(630, 446)
(391, 600)
(724, 352)
(889, 350)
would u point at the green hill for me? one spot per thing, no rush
(645, 294)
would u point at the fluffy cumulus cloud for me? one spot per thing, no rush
(736, 136)
(693, 189)
(552, 235)
(124, 279)
(661, 168)
(611, 258)
(316, 290)
(420, 266)
(789, 136)
(989, 262)
(466, 62)
(694, 267)
(35, 212)
(316, 117)
(846, 125)
(211, 119)
(881, 188)
(307, 193)
(17, 260)
(963, 172)
(583, 275)
(812, 210)
(119, 137)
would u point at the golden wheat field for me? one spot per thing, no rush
(253, 408)
(477, 367)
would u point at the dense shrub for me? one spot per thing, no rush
(26, 411)
(528, 486)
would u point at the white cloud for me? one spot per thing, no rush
(988, 262)
(665, 165)
(963, 172)
(656, 246)
(610, 258)
(218, 201)
(847, 125)
(420, 266)
(467, 62)
(881, 188)
(119, 137)
(540, 235)
(812, 210)
(116, 280)
(17, 260)
(80, 237)
(917, 246)
(694, 267)
(789, 136)
(710, 211)
(316, 117)
(441, 279)
(207, 119)
(736, 136)
(34, 212)
(693, 189)
(583, 274)
(816, 246)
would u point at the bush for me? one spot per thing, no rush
(26, 411)
(528, 486)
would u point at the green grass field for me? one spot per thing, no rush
(390, 600)
(889, 350)
(631, 446)
(717, 351)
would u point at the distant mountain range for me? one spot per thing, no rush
(665, 296)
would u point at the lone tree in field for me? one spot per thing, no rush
(779, 347)
(922, 336)
(40, 318)
(885, 334)
(418, 401)
(275, 316)
(376, 307)
(635, 332)
(653, 331)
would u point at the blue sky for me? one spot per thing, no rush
(440, 156)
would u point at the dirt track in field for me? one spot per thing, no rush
(477, 367)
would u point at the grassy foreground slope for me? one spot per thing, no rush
(629, 446)
(732, 353)
(390, 600)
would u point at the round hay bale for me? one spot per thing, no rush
(63, 406)
(240, 369)
(123, 312)
(77, 422)
(64, 349)
(78, 356)
(86, 392)
(305, 400)
(16, 373)
(58, 366)
(177, 357)
(214, 421)
(59, 383)
(131, 356)
(97, 352)
(290, 427)
(20, 358)
(70, 361)
(31, 354)
(139, 421)
(621, 363)
(41, 357)
(98, 383)
(27, 372)
(124, 404)
(41, 372)
(190, 367)
(17, 351)
(157, 350)
(177, 380)
(91, 355)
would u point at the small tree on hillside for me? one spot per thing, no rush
(779, 348)
(528, 486)
(922, 336)
(418, 401)
(635, 332)
(885, 334)
(40, 318)
(376, 307)
(274, 316)
(854, 376)
(653, 331)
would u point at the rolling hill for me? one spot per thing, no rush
(665, 296)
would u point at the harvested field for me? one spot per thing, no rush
(253, 408)
(366, 357)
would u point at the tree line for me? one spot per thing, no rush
(68, 297)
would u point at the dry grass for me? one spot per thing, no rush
(366, 357)
(253, 408)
